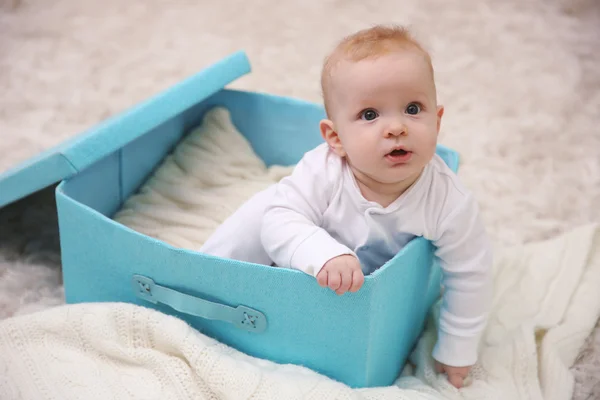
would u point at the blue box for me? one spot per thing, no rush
(361, 339)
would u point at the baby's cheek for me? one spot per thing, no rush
(430, 137)
(360, 144)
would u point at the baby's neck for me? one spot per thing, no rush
(383, 194)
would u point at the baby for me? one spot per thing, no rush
(376, 183)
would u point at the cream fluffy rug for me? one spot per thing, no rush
(520, 81)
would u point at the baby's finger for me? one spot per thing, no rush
(334, 280)
(357, 280)
(345, 283)
(322, 278)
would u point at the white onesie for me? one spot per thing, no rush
(318, 213)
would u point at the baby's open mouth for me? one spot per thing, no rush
(398, 156)
(398, 152)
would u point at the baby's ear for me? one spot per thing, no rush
(331, 137)
(440, 113)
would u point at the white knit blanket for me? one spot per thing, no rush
(209, 174)
(546, 302)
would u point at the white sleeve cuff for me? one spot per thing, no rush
(315, 251)
(456, 351)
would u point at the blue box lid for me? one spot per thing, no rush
(76, 154)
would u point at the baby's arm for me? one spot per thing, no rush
(291, 230)
(466, 260)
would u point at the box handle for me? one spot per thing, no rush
(241, 317)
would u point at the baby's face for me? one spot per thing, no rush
(385, 113)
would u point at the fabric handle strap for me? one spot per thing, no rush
(241, 316)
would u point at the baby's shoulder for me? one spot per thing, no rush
(318, 172)
(322, 163)
(444, 195)
(444, 183)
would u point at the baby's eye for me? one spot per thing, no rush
(413, 109)
(369, 114)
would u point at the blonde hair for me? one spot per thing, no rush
(366, 44)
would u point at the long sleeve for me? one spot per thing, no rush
(291, 230)
(466, 259)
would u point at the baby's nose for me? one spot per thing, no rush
(396, 129)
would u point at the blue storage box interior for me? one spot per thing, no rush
(361, 339)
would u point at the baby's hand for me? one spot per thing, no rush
(342, 274)
(456, 375)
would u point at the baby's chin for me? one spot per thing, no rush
(400, 177)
